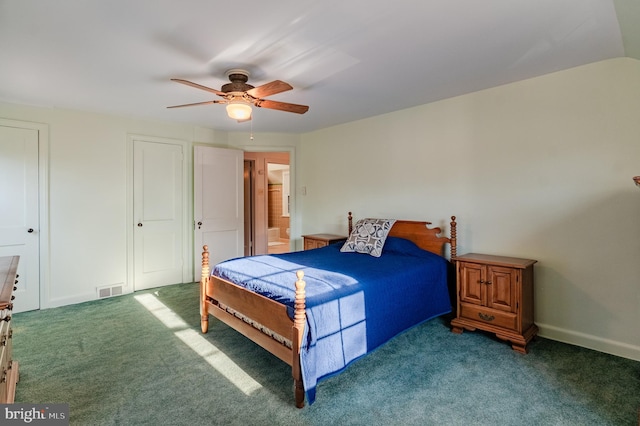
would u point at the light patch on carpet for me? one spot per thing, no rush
(219, 361)
(209, 352)
(166, 316)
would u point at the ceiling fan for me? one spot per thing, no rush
(239, 96)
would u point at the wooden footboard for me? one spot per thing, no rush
(225, 301)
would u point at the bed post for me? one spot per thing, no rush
(454, 238)
(350, 219)
(299, 320)
(204, 281)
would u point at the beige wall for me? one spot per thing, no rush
(539, 169)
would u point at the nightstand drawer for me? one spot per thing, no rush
(489, 316)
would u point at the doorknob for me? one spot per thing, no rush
(199, 225)
(30, 230)
(139, 225)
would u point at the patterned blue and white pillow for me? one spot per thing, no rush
(368, 236)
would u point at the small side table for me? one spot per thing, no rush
(314, 241)
(495, 294)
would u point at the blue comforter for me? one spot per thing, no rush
(354, 302)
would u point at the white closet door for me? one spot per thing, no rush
(218, 204)
(19, 210)
(158, 214)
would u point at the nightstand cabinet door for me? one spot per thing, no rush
(502, 285)
(486, 285)
(472, 289)
(495, 294)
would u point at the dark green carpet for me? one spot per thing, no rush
(116, 363)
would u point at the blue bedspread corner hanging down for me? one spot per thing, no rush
(354, 302)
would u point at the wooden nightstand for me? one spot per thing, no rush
(321, 240)
(495, 294)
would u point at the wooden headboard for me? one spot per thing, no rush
(424, 237)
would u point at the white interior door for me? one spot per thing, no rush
(218, 204)
(19, 210)
(158, 214)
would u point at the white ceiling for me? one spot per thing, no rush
(347, 59)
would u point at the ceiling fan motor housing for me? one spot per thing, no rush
(238, 80)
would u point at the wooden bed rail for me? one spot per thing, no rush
(299, 318)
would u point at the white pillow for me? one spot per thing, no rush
(368, 236)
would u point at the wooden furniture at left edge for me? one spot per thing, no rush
(8, 367)
(215, 292)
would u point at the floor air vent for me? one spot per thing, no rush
(115, 290)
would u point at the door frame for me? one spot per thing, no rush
(249, 206)
(187, 206)
(43, 202)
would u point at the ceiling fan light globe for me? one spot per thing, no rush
(239, 111)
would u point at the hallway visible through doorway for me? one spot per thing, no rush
(267, 206)
(278, 208)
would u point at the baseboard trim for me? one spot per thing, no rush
(589, 341)
(59, 302)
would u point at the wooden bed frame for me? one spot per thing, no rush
(217, 295)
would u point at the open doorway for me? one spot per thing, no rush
(269, 209)
(278, 199)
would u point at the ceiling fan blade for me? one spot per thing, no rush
(281, 106)
(198, 86)
(195, 104)
(269, 89)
